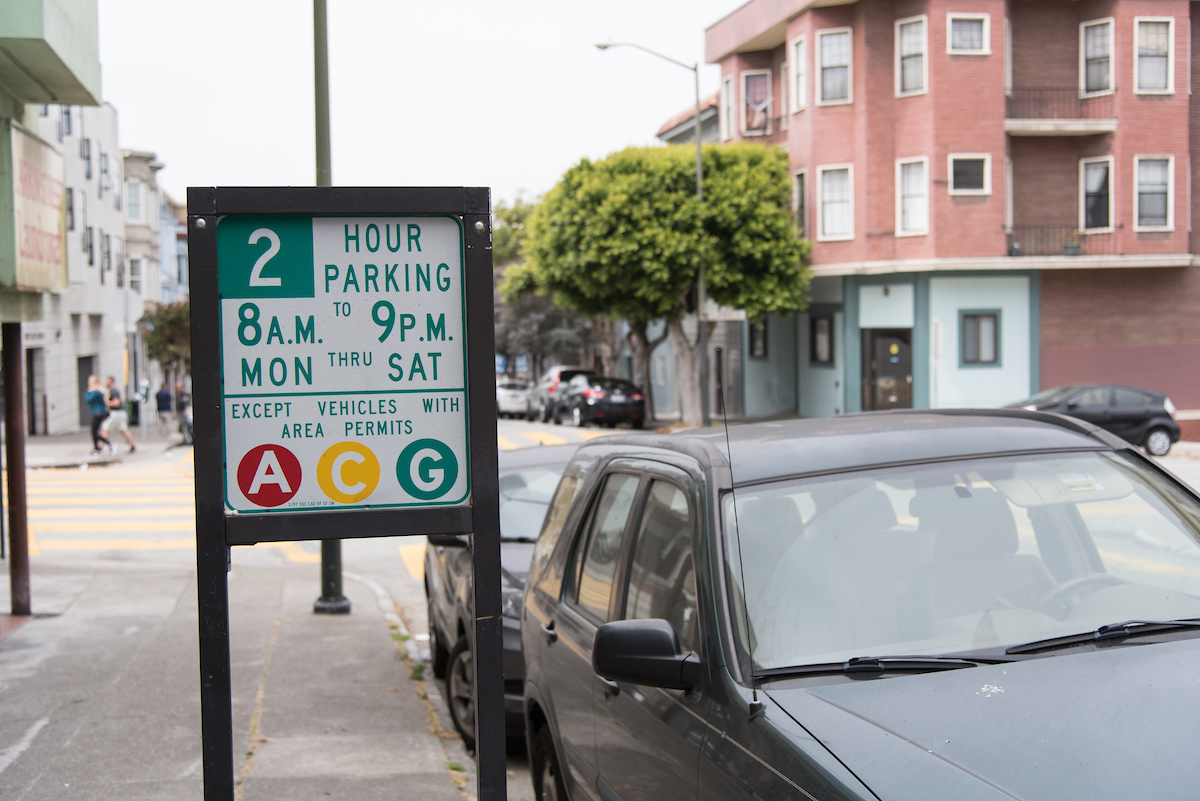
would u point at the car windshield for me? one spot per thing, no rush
(510, 385)
(524, 497)
(617, 384)
(958, 556)
(1051, 395)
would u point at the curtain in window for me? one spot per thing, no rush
(913, 207)
(912, 57)
(1153, 50)
(835, 202)
(1097, 52)
(757, 101)
(800, 60)
(966, 34)
(835, 66)
(1095, 187)
(1152, 192)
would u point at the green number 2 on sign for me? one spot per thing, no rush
(256, 276)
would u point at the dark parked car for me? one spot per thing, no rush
(527, 481)
(544, 395)
(1140, 416)
(603, 401)
(960, 605)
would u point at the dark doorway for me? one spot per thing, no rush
(32, 365)
(887, 368)
(87, 366)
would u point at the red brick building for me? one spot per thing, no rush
(999, 193)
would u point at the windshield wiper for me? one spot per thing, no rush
(1112, 631)
(879, 664)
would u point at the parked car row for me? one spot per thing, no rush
(575, 394)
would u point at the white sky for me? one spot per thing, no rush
(505, 94)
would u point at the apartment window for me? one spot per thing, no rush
(799, 75)
(66, 120)
(135, 275)
(979, 337)
(800, 203)
(133, 201)
(912, 207)
(105, 251)
(910, 56)
(968, 34)
(970, 174)
(821, 339)
(1154, 71)
(1096, 47)
(727, 109)
(70, 209)
(1153, 199)
(758, 340)
(783, 95)
(89, 246)
(102, 184)
(837, 203)
(85, 153)
(1096, 176)
(756, 102)
(835, 55)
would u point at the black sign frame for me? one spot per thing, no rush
(217, 532)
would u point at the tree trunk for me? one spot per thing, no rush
(687, 371)
(643, 349)
(606, 333)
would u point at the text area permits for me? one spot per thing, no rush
(343, 357)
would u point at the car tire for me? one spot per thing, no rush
(637, 424)
(557, 416)
(460, 691)
(1158, 442)
(547, 777)
(577, 417)
(438, 655)
(544, 413)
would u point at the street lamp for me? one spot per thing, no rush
(703, 333)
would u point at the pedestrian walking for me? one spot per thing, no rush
(163, 399)
(97, 403)
(118, 418)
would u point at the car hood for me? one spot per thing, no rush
(1117, 723)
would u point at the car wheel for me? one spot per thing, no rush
(577, 417)
(1158, 442)
(438, 655)
(544, 413)
(460, 691)
(557, 416)
(637, 423)
(547, 778)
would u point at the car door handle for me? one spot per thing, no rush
(611, 688)
(551, 634)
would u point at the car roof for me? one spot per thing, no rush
(543, 456)
(792, 447)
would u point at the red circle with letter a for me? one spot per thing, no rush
(269, 475)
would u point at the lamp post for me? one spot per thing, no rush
(702, 331)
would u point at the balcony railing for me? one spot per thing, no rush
(1057, 240)
(1057, 103)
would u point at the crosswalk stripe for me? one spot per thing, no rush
(101, 526)
(413, 556)
(504, 444)
(124, 513)
(542, 438)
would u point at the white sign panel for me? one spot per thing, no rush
(343, 358)
(39, 213)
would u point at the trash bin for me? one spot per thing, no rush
(135, 406)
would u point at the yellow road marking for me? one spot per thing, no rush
(76, 499)
(101, 526)
(102, 514)
(414, 560)
(293, 551)
(35, 547)
(542, 438)
(504, 444)
(591, 434)
(172, 544)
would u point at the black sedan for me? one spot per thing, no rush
(591, 399)
(969, 605)
(528, 479)
(1141, 416)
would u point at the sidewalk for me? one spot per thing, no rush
(71, 450)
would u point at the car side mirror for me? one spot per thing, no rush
(448, 540)
(644, 652)
(1072, 404)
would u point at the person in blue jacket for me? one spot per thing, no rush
(97, 402)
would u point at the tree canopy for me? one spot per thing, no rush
(168, 334)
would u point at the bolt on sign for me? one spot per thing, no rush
(343, 357)
(343, 361)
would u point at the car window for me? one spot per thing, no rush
(568, 375)
(1130, 398)
(524, 497)
(549, 581)
(593, 586)
(662, 576)
(1097, 396)
(578, 381)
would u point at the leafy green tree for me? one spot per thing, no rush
(167, 330)
(626, 236)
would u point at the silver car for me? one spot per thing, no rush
(512, 398)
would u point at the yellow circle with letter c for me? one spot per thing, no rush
(348, 472)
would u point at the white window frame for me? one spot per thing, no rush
(820, 232)
(1008, 58)
(818, 83)
(1170, 90)
(896, 67)
(785, 70)
(1112, 56)
(924, 162)
(141, 193)
(799, 82)
(987, 173)
(742, 105)
(1170, 226)
(1112, 195)
(727, 106)
(987, 33)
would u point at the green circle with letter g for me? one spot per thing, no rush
(427, 469)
